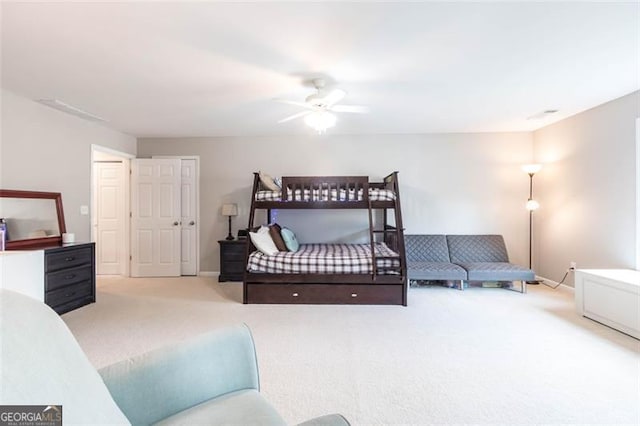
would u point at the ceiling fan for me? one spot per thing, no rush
(320, 105)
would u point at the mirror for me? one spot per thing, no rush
(33, 219)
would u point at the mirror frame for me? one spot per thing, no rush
(35, 243)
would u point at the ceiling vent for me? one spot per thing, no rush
(542, 115)
(69, 109)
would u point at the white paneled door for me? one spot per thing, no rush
(109, 217)
(155, 217)
(189, 235)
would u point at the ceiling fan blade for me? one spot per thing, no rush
(350, 108)
(334, 96)
(300, 104)
(294, 116)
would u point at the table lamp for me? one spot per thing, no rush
(230, 210)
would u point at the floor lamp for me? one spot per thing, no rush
(532, 205)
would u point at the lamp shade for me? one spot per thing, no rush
(532, 205)
(229, 210)
(532, 168)
(320, 120)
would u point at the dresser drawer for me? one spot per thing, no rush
(232, 256)
(65, 277)
(69, 293)
(233, 267)
(68, 259)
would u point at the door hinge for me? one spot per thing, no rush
(130, 257)
(130, 214)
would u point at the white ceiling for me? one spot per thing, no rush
(212, 69)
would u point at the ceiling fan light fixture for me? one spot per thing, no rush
(320, 121)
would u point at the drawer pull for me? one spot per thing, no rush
(69, 277)
(295, 294)
(70, 294)
(69, 259)
(354, 294)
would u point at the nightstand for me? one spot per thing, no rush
(232, 253)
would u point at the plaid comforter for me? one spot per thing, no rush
(326, 259)
(375, 194)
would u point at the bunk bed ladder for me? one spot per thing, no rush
(400, 235)
(374, 263)
(397, 232)
(248, 246)
(254, 191)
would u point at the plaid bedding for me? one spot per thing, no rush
(326, 259)
(375, 194)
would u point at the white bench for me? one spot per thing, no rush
(611, 297)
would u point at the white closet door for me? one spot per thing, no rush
(189, 217)
(155, 217)
(110, 220)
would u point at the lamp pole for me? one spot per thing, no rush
(230, 236)
(530, 219)
(531, 169)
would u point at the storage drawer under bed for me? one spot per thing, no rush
(346, 294)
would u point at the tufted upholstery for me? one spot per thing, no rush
(497, 271)
(477, 248)
(428, 259)
(426, 248)
(435, 271)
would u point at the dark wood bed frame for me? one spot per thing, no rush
(367, 289)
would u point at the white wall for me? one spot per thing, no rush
(450, 183)
(587, 189)
(43, 149)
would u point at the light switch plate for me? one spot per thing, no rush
(84, 210)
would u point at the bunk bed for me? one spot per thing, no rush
(372, 273)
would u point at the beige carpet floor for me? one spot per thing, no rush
(482, 356)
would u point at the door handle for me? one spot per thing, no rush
(192, 223)
(175, 223)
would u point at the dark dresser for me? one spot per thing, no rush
(69, 276)
(232, 253)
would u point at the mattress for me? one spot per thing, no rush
(327, 259)
(375, 194)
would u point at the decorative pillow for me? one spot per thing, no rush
(263, 241)
(274, 231)
(267, 182)
(290, 239)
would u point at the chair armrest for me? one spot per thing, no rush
(163, 382)
(329, 420)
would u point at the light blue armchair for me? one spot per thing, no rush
(210, 380)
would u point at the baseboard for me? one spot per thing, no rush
(552, 283)
(209, 273)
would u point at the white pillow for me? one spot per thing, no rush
(268, 182)
(263, 241)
